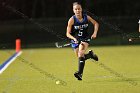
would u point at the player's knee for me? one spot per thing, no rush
(80, 53)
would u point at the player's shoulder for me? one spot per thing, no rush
(139, 21)
(71, 20)
(72, 17)
(85, 15)
(90, 18)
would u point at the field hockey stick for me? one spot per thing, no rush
(61, 46)
(68, 44)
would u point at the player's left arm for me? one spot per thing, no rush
(96, 26)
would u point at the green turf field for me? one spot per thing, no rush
(36, 71)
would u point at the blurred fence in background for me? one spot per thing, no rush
(49, 31)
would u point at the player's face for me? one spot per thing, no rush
(77, 9)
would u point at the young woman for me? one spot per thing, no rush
(77, 31)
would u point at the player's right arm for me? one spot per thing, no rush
(69, 29)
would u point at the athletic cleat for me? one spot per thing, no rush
(93, 56)
(78, 76)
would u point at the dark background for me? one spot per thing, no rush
(44, 21)
(63, 8)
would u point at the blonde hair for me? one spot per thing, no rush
(77, 3)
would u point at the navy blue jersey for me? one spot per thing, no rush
(80, 28)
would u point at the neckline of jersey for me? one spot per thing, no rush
(79, 20)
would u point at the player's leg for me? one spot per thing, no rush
(76, 50)
(82, 49)
(91, 55)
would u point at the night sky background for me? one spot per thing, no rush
(118, 20)
(63, 8)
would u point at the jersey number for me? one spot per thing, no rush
(80, 33)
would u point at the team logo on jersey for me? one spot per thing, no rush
(81, 27)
